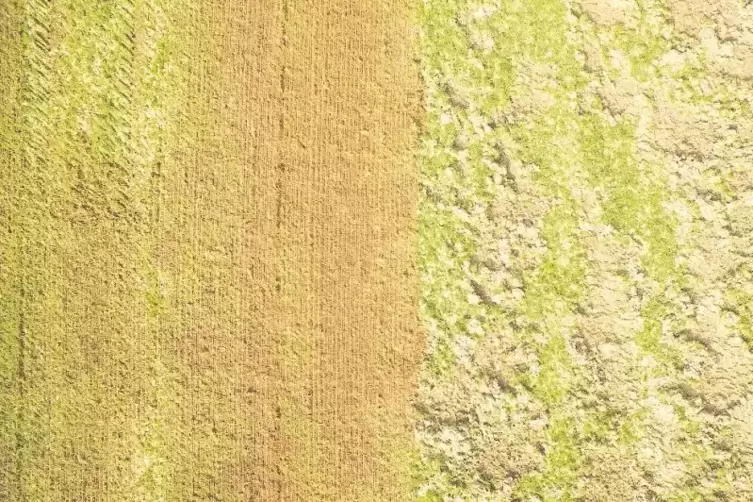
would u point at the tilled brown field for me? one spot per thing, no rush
(207, 289)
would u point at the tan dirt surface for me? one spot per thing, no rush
(207, 235)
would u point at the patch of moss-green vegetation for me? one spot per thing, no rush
(550, 386)
(530, 32)
(699, 462)
(553, 289)
(720, 95)
(687, 494)
(691, 70)
(442, 360)
(535, 32)
(442, 136)
(564, 456)
(631, 429)
(558, 284)
(746, 320)
(634, 207)
(11, 269)
(444, 241)
(558, 480)
(649, 337)
(599, 428)
(691, 427)
(155, 300)
(741, 302)
(642, 47)
(634, 194)
(444, 42)
(424, 468)
(101, 93)
(97, 84)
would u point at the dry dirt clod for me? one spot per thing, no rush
(481, 292)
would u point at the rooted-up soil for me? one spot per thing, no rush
(586, 227)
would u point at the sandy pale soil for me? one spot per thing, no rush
(207, 289)
(586, 261)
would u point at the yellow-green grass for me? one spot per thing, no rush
(93, 92)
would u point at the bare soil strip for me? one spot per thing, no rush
(208, 286)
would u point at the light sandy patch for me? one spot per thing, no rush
(724, 29)
(609, 12)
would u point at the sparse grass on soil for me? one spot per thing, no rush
(584, 254)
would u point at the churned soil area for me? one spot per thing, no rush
(587, 277)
